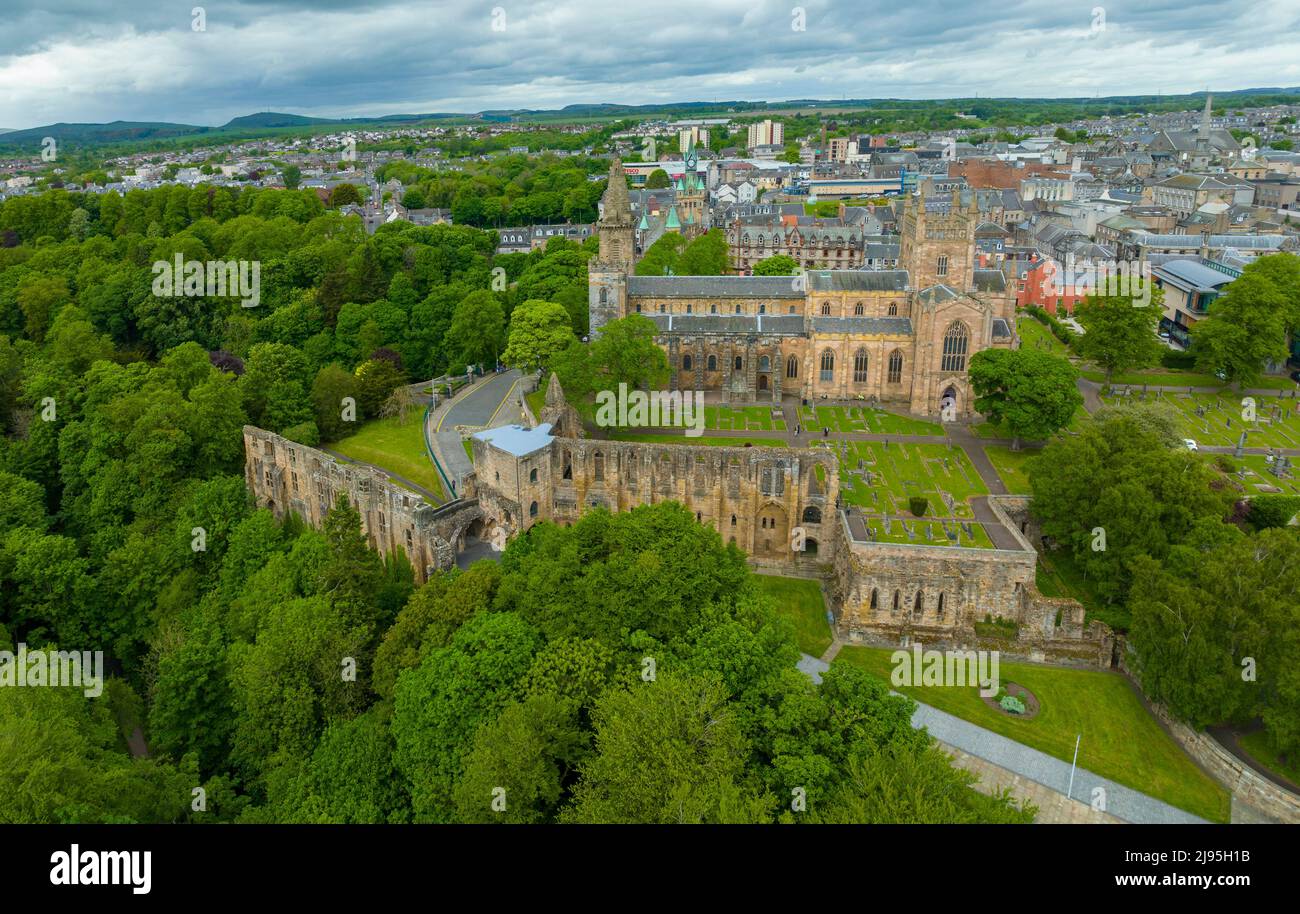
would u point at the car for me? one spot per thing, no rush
(1190, 443)
(1163, 334)
(1221, 375)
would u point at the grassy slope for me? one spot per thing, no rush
(396, 448)
(801, 602)
(1121, 741)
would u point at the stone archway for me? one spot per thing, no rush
(949, 403)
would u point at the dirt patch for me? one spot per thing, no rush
(1029, 698)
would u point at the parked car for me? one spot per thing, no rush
(1191, 444)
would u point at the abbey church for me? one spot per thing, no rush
(901, 338)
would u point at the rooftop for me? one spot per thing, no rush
(516, 440)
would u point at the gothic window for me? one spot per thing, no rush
(599, 467)
(828, 365)
(532, 510)
(568, 466)
(532, 475)
(792, 309)
(713, 309)
(895, 609)
(792, 367)
(860, 367)
(826, 309)
(857, 310)
(812, 515)
(713, 363)
(764, 363)
(955, 341)
(762, 309)
(761, 241)
(688, 309)
(733, 520)
(737, 309)
(896, 366)
(918, 607)
(943, 265)
(740, 363)
(604, 296)
(893, 309)
(939, 609)
(875, 601)
(686, 363)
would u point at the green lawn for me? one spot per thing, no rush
(993, 430)
(1169, 377)
(801, 602)
(744, 419)
(703, 440)
(1011, 467)
(393, 447)
(1251, 471)
(865, 419)
(1277, 419)
(536, 400)
(1258, 746)
(1036, 335)
(1121, 741)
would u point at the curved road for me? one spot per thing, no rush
(481, 406)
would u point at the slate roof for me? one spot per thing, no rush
(888, 326)
(990, 281)
(756, 324)
(713, 287)
(858, 280)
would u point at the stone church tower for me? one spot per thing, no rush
(607, 273)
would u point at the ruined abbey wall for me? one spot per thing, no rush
(287, 477)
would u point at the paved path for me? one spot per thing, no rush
(484, 403)
(1124, 803)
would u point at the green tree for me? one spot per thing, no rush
(538, 331)
(1030, 393)
(776, 265)
(1246, 326)
(477, 332)
(292, 176)
(626, 353)
(343, 194)
(1120, 333)
(705, 256)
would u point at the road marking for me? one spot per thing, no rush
(504, 401)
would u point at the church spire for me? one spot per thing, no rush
(616, 208)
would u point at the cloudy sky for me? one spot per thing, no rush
(87, 60)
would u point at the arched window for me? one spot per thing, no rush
(568, 466)
(857, 310)
(737, 309)
(764, 363)
(733, 520)
(662, 307)
(860, 367)
(895, 609)
(955, 341)
(828, 365)
(713, 309)
(762, 309)
(598, 464)
(604, 296)
(532, 475)
(532, 510)
(875, 601)
(686, 363)
(713, 363)
(739, 364)
(893, 309)
(792, 367)
(810, 546)
(940, 606)
(812, 515)
(688, 309)
(918, 607)
(895, 366)
(826, 309)
(638, 307)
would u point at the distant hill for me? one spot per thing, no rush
(272, 119)
(97, 134)
(7, 129)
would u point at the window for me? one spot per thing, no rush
(893, 309)
(812, 515)
(942, 268)
(599, 464)
(762, 309)
(918, 607)
(895, 609)
(857, 310)
(604, 296)
(860, 367)
(875, 601)
(713, 309)
(532, 510)
(737, 309)
(740, 363)
(895, 366)
(532, 475)
(826, 309)
(940, 606)
(828, 365)
(733, 520)
(688, 309)
(764, 363)
(713, 363)
(955, 341)
(792, 367)
(686, 363)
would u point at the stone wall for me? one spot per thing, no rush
(286, 477)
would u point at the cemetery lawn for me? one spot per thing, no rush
(865, 419)
(703, 440)
(744, 419)
(1169, 377)
(394, 447)
(1251, 471)
(1121, 740)
(1036, 335)
(1011, 467)
(801, 602)
(1218, 410)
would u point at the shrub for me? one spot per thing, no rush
(1012, 704)
(1272, 510)
(304, 433)
(917, 504)
(1225, 463)
(1174, 358)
